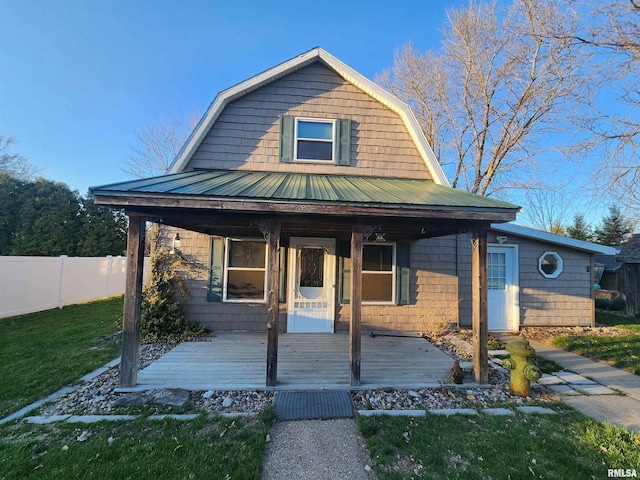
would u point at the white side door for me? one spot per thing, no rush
(311, 285)
(502, 273)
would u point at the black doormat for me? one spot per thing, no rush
(313, 405)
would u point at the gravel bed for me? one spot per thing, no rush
(96, 397)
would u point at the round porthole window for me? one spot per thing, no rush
(550, 264)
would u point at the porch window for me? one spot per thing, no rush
(378, 273)
(245, 270)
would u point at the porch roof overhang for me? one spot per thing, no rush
(227, 200)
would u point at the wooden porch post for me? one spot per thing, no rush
(132, 302)
(273, 304)
(356, 304)
(479, 305)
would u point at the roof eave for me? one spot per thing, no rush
(555, 239)
(153, 200)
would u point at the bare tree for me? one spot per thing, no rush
(158, 144)
(547, 209)
(501, 82)
(612, 30)
(14, 164)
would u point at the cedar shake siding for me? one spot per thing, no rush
(433, 292)
(563, 301)
(246, 135)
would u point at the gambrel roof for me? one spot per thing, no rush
(347, 73)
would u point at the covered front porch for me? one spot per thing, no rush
(236, 361)
(281, 207)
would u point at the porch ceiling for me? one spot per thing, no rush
(230, 200)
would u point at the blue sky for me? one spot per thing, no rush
(78, 77)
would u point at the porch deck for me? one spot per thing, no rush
(237, 361)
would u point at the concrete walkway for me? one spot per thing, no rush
(620, 410)
(316, 450)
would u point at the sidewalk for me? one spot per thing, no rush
(620, 410)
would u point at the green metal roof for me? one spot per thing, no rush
(302, 187)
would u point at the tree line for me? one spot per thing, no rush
(46, 218)
(614, 229)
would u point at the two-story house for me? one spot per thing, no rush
(310, 201)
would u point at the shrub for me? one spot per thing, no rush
(162, 319)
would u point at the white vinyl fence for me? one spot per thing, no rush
(32, 284)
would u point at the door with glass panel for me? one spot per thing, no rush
(311, 289)
(502, 294)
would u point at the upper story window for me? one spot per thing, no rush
(550, 264)
(314, 140)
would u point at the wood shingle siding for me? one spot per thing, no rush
(247, 133)
(562, 301)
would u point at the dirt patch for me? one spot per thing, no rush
(547, 334)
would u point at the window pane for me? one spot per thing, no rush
(377, 258)
(377, 287)
(310, 150)
(311, 267)
(549, 264)
(247, 254)
(319, 130)
(497, 271)
(242, 284)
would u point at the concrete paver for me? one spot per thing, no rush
(573, 378)
(616, 410)
(563, 390)
(619, 410)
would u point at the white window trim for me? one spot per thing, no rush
(333, 140)
(227, 268)
(393, 273)
(558, 270)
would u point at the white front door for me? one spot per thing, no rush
(311, 285)
(502, 273)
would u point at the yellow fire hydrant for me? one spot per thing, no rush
(522, 365)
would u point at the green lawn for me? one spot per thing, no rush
(621, 351)
(143, 449)
(42, 352)
(567, 445)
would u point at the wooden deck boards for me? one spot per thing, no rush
(237, 361)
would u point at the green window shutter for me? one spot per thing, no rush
(403, 273)
(282, 297)
(343, 141)
(344, 272)
(286, 138)
(216, 270)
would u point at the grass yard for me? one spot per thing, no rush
(219, 448)
(44, 351)
(567, 445)
(621, 351)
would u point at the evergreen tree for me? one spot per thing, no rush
(49, 220)
(580, 229)
(45, 218)
(10, 198)
(614, 229)
(102, 232)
